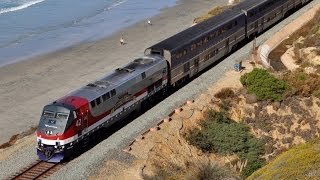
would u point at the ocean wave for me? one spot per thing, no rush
(19, 7)
(117, 3)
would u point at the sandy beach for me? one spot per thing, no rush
(25, 87)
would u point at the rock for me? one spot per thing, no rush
(276, 105)
(251, 98)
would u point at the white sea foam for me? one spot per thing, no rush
(19, 7)
(115, 4)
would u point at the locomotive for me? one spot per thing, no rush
(70, 120)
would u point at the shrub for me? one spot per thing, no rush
(251, 167)
(225, 93)
(264, 85)
(221, 135)
(211, 171)
(303, 84)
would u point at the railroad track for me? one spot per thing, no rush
(38, 170)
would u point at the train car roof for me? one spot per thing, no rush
(188, 35)
(249, 4)
(117, 77)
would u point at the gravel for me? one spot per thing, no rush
(111, 148)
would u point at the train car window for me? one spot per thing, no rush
(93, 104)
(173, 56)
(205, 39)
(199, 43)
(98, 100)
(235, 23)
(113, 92)
(49, 114)
(206, 57)
(184, 52)
(106, 96)
(193, 46)
(143, 75)
(229, 26)
(155, 52)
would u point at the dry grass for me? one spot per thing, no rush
(225, 93)
(213, 12)
(303, 84)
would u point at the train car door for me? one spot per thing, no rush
(82, 122)
(227, 46)
(196, 65)
(85, 121)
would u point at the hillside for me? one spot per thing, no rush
(243, 122)
(300, 162)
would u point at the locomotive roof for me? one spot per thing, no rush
(188, 35)
(117, 77)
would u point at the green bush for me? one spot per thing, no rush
(221, 135)
(263, 84)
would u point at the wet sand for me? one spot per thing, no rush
(25, 87)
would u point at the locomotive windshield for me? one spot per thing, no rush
(54, 120)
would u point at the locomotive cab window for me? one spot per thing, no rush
(62, 116)
(48, 114)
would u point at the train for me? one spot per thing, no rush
(68, 122)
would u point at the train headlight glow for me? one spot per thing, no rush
(55, 147)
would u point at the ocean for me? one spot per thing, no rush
(34, 27)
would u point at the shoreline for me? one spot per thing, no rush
(28, 85)
(28, 39)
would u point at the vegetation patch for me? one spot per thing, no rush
(225, 93)
(300, 162)
(213, 12)
(264, 85)
(198, 172)
(221, 135)
(303, 84)
(311, 32)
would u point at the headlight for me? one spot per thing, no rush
(55, 147)
(41, 144)
(62, 147)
